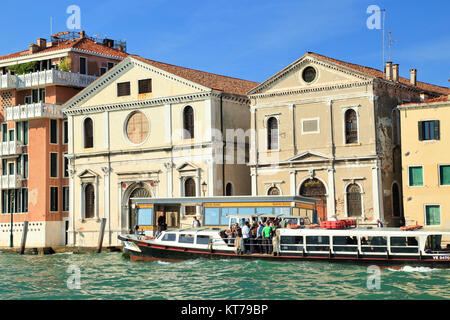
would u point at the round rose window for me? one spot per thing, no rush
(309, 74)
(137, 128)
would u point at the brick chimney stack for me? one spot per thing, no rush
(82, 34)
(42, 43)
(395, 72)
(413, 77)
(33, 48)
(388, 70)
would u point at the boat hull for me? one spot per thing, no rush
(142, 251)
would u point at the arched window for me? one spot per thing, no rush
(189, 191)
(272, 133)
(89, 201)
(351, 126)
(229, 189)
(354, 200)
(88, 133)
(274, 191)
(188, 123)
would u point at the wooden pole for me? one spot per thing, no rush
(24, 237)
(100, 238)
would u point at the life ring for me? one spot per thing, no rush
(148, 238)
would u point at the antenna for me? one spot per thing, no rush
(390, 45)
(51, 27)
(384, 37)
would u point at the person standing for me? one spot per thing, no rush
(276, 242)
(246, 237)
(161, 223)
(267, 242)
(379, 224)
(238, 240)
(259, 237)
(196, 223)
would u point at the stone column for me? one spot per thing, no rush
(331, 203)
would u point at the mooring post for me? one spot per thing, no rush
(24, 237)
(100, 238)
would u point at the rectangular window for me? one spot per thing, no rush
(28, 100)
(65, 198)
(83, 65)
(415, 176)
(35, 95)
(53, 165)
(123, 89)
(404, 245)
(42, 95)
(4, 132)
(11, 168)
(212, 217)
(11, 135)
(102, 71)
(4, 167)
(18, 165)
(145, 86)
(65, 132)
(317, 243)
(19, 131)
(25, 166)
(429, 130)
(23, 199)
(444, 175)
(111, 65)
(433, 215)
(66, 167)
(203, 239)
(25, 133)
(54, 131)
(54, 199)
(291, 243)
(4, 201)
(186, 238)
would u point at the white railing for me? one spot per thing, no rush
(13, 181)
(33, 111)
(9, 148)
(41, 78)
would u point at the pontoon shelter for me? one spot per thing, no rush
(215, 211)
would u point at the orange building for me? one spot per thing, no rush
(34, 83)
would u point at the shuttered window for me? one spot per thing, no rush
(444, 173)
(433, 215)
(123, 89)
(415, 176)
(429, 130)
(145, 86)
(89, 201)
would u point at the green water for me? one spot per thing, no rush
(108, 276)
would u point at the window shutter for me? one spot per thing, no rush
(436, 130)
(420, 131)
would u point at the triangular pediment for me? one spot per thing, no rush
(326, 73)
(104, 91)
(309, 156)
(187, 166)
(87, 174)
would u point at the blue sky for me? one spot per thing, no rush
(248, 39)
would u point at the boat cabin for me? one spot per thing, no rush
(219, 211)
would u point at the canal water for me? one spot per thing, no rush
(110, 276)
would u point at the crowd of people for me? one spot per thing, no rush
(255, 236)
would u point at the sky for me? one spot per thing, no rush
(249, 39)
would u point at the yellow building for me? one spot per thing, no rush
(328, 129)
(425, 133)
(150, 129)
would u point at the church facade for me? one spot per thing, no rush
(150, 129)
(329, 129)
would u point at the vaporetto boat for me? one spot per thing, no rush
(300, 237)
(383, 246)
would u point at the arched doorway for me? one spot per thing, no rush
(139, 192)
(314, 188)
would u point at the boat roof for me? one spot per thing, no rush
(360, 231)
(225, 199)
(266, 215)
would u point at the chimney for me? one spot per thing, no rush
(413, 77)
(395, 75)
(42, 43)
(82, 34)
(388, 70)
(33, 48)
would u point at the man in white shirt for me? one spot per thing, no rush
(246, 237)
(196, 223)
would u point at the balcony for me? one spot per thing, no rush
(10, 148)
(13, 181)
(34, 111)
(42, 78)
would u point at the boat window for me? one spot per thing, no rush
(212, 217)
(291, 243)
(318, 243)
(433, 244)
(186, 238)
(278, 211)
(264, 210)
(345, 244)
(373, 244)
(202, 239)
(169, 237)
(404, 245)
(246, 210)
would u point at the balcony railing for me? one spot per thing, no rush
(34, 111)
(41, 78)
(13, 181)
(10, 148)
